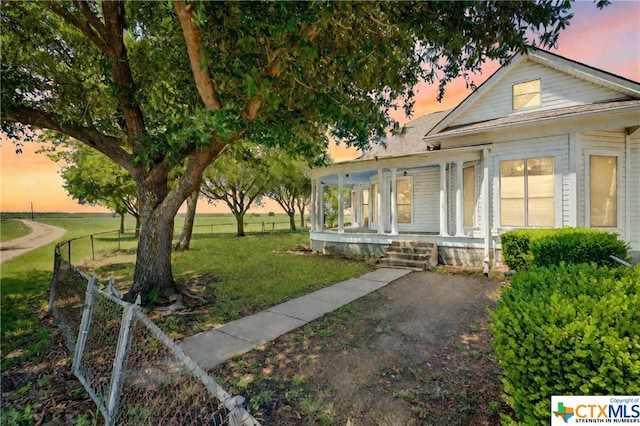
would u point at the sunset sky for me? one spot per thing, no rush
(607, 39)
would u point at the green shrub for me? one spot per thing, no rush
(544, 247)
(567, 330)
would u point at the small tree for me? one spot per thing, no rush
(93, 179)
(290, 187)
(238, 178)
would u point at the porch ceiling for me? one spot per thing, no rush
(354, 178)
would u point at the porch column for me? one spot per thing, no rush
(313, 206)
(486, 205)
(443, 201)
(319, 205)
(379, 202)
(340, 203)
(459, 201)
(394, 203)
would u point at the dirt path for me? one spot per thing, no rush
(40, 235)
(414, 353)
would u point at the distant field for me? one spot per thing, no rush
(11, 229)
(211, 223)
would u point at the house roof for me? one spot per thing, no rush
(537, 117)
(410, 141)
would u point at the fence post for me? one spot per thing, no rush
(118, 240)
(273, 226)
(54, 281)
(69, 247)
(93, 254)
(122, 349)
(84, 325)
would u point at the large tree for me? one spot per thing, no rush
(156, 85)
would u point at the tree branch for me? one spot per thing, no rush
(121, 72)
(94, 33)
(195, 50)
(108, 145)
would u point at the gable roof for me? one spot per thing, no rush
(627, 88)
(411, 141)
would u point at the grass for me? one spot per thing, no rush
(237, 276)
(11, 229)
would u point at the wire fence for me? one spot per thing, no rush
(134, 373)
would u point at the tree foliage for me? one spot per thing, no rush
(159, 85)
(93, 179)
(239, 178)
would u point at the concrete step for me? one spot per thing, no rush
(407, 255)
(416, 250)
(411, 254)
(420, 265)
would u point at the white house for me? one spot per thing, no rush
(544, 142)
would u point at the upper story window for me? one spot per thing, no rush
(526, 94)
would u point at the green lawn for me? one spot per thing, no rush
(235, 275)
(11, 229)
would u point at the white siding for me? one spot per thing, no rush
(634, 176)
(426, 194)
(605, 142)
(558, 90)
(553, 146)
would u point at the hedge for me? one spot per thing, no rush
(567, 330)
(544, 247)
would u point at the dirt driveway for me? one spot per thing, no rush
(40, 235)
(415, 352)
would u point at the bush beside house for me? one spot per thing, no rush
(522, 249)
(567, 330)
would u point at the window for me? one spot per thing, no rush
(527, 189)
(374, 202)
(469, 194)
(603, 191)
(365, 207)
(526, 94)
(403, 198)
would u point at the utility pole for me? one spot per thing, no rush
(31, 210)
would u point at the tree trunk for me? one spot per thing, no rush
(137, 231)
(187, 228)
(292, 220)
(302, 224)
(240, 221)
(152, 276)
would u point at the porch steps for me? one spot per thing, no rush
(410, 254)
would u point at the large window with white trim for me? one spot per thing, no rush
(527, 192)
(374, 202)
(603, 191)
(469, 195)
(404, 198)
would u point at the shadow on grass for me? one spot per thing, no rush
(24, 307)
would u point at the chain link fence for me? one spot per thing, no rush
(133, 371)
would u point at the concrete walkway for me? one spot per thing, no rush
(213, 347)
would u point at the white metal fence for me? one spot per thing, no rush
(133, 371)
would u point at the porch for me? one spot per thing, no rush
(452, 250)
(433, 197)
